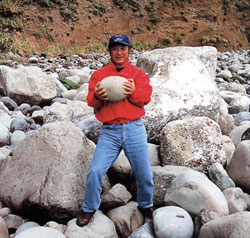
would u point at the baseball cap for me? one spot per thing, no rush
(119, 39)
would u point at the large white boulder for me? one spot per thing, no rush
(183, 85)
(27, 84)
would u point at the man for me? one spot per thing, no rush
(122, 129)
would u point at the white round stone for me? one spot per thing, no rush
(172, 221)
(114, 88)
(40, 232)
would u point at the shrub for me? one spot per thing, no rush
(242, 5)
(68, 83)
(7, 43)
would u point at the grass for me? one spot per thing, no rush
(54, 49)
(96, 47)
(5, 63)
(214, 41)
(68, 83)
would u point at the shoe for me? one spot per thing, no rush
(83, 218)
(147, 212)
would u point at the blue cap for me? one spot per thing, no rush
(119, 39)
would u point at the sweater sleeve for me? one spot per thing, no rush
(91, 99)
(143, 90)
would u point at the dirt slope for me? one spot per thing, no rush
(222, 23)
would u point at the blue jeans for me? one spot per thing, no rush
(132, 138)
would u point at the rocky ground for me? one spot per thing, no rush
(199, 153)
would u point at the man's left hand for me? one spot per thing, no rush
(129, 87)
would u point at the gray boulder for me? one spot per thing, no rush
(145, 231)
(239, 167)
(193, 142)
(163, 177)
(9, 103)
(4, 233)
(57, 226)
(232, 226)
(89, 125)
(237, 200)
(219, 176)
(4, 135)
(66, 111)
(237, 133)
(118, 195)
(22, 124)
(99, 226)
(16, 137)
(193, 191)
(25, 226)
(127, 218)
(5, 211)
(14, 221)
(47, 171)
(5, 120)
(241, 116)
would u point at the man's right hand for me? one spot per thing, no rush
(100, 92)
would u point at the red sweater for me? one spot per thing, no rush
(132, 107)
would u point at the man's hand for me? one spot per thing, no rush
(100, 92)
(129, 87)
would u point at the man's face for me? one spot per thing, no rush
(119, 55)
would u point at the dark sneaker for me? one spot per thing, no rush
(147, 212)
(83, 218)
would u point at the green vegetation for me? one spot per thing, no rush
(9, 12)
(54, 49)
(225, 6)
(167, 41)
(96, 47)
(242, 5)
(68, 9)
(134, 5)
(214, 40)
(139, 45)
(7, 43)
(5, 63)
(97, 8)
(150, 8)
(45, 33)
(68, 83)
(195, 27)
